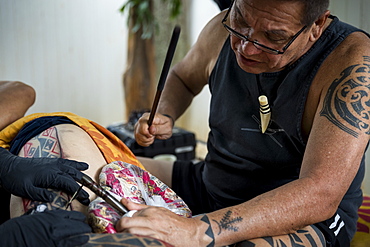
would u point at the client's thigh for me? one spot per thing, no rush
(61, 141)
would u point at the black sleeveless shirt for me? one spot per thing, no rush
(242, 162)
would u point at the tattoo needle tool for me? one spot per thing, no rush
(265, 112)
(73, 197)
(106, 195)
(165, 69)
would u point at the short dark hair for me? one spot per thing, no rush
(312, 10)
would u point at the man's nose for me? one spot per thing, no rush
(249, 48)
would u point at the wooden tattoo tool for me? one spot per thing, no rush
(265, 112)
(106, 195)
(165, 69)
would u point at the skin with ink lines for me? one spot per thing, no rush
(353, 92)
(70, 142)
(228, 223)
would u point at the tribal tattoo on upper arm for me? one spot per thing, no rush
(348, 100)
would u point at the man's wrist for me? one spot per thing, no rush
(173, 120)
(209, 231)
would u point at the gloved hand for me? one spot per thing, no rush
(50, 228)
(30, 177)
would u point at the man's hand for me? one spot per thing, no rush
(161, 128)
(51, 228)
(31, 177)
(162, 224)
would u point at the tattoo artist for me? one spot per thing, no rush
(278, 175)
(29, 178)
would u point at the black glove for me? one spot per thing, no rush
(30, 177)
(50, 228)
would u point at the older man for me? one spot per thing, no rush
(299, 177)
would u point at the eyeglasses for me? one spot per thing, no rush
(256, 43)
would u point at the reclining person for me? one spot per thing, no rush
(30, 178)
(54, 147)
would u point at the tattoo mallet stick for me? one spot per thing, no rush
(265, 112)
(165, 69)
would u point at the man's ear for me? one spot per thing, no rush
(318, 26)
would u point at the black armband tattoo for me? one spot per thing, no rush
(348, 100)
(209, 231)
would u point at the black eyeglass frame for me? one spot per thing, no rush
(255, 43)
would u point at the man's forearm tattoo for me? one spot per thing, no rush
(228, 223)
(209, 231)
(348, 100)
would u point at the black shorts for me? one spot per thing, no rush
(187, 182)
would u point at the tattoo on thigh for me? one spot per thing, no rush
(348, 100)
(228, 223)
(45, 144)
(209, 231)
(59, 202)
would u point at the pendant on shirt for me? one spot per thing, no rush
(265, 112)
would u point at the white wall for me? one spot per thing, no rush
(72, 52)
(355, 12)
(196, 117)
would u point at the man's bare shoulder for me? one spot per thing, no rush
(200, 60)
(346, 89)
(354, 50)
(216, 35)
(350, 52)
(351, 59)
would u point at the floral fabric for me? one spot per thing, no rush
(129, 181)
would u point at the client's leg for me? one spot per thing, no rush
(76, 144)
(162, 169)
(12, 109)
(61, 141)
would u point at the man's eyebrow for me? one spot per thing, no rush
(238, 10)
(277, 32)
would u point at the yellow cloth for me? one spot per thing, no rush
(112, 148)
(362, 236)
